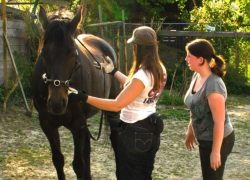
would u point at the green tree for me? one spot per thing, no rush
(111, 11)
(230, 16)
(224, 16)
(233, 16)
(172, 10)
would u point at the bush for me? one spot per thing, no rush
(25, 68)
(175, 113)
(236, 81)
(174, 99)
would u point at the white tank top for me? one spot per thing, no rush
(145, 104)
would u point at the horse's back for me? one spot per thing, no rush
(96, 43)
(94, 81)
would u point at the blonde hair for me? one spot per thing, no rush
(147, 57)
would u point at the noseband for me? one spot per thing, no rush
(56, 82)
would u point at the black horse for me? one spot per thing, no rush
(66, 60)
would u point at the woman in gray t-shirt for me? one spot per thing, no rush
(206, 98)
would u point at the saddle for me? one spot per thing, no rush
(95, 47)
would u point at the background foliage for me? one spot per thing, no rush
(228, 16)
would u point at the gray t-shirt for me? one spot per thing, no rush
(200, 113)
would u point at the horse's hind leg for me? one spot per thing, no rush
(57, 156)
(81, 162)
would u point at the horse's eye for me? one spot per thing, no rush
(76, 64)
(43, 57)
(73, 55)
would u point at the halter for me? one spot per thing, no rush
(57, 82)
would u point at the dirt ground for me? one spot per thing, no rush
(25, 153)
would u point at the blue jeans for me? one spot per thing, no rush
(135, 146)
(205, 149)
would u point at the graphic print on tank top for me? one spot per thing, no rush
(154, 94)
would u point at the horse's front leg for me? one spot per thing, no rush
(81, 162)
(52, 135)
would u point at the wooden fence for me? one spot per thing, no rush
(17, 39)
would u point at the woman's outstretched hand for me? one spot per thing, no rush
(108, 66)
(76, 95)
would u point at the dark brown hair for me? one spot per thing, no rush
(203, 48)
(147, 57)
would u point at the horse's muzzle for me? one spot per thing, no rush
(57, 107)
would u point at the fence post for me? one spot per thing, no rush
(125, 43)
(5, 61)
(237, 53)
(100, 19)
(118, 46)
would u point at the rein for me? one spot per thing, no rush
(98, 66)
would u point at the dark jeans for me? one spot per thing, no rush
(205, 149)
(135, 146)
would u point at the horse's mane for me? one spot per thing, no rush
(60, 14)
(56, 30)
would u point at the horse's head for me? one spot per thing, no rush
(59, 57)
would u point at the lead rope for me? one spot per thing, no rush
(102, 114)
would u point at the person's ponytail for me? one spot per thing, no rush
(218, 66)
(204, 48)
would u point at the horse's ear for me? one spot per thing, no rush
(76, 20)
(43, 17)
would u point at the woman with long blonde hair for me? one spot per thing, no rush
(136, 136)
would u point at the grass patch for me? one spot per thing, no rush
(248, 75)
(243, 125)
(28, 155)
(179, 114)
(1, 158)
(238, 100)
(170, 99)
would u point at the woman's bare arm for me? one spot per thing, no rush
(126, 96)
